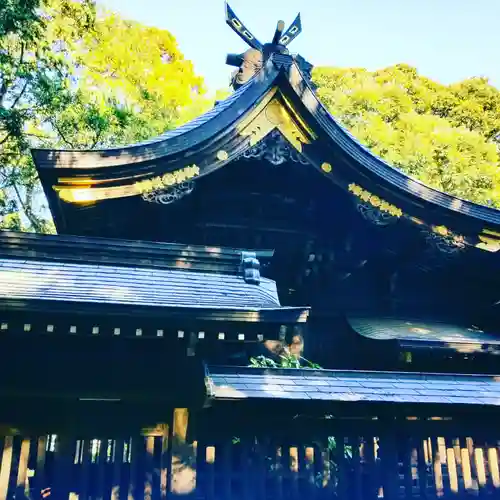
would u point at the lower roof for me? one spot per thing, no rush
(238, 383)
(60, 282)
(426, 332)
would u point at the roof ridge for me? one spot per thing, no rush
(125, 253)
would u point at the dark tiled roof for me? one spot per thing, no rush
(333, 385)
(129, 253)
(367, 159)
(414, 332)
(196, 122)
(170, 142)
(57, 281)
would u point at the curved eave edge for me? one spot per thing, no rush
(407, 341)
(172, 143)
(252, 122)
(277, 315)
(394, 182)
(366, 158)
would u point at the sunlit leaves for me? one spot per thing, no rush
(442, 135)
(72, 77)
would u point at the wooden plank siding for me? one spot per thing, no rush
(164, 463)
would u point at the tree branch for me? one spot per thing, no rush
(38, 136)
(5, 138)
(27, 210)
(18, 98)
(54, 124)
(6, 82)
(97, 138)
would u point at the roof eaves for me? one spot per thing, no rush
(376, 165)
(242, 383)
(127, 253)
(425, 333)
(173, 142)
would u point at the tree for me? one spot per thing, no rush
(443, 135)
(75, 78)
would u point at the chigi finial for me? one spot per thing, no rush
(279, 38)
(251, 61)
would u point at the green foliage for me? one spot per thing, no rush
(445, 136)
(76, 78)
(286, 361)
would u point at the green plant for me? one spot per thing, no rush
(286, 361)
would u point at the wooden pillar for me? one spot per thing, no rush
(63, 462)
(23, 467)
(39, 481)
(183, 465)
(343, 490)
(389, 455)
(356, 478)
(118, 450)
(5, 466)
(164, 460)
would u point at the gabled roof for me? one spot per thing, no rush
(277, 98)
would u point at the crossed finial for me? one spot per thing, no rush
(250, 62)
(294, 30)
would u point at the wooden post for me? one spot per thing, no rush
(164, 460)
(342, 478)
(23, 467)
(102, 469)
(390, 472)
(278, 469)
(136, 480)
(356, 490)
(38, 484)
(65, 448)
(370, 492)
(292, 461)
(261, 467)
(85, 467)
(437, 466)
(422, 451)
(183, 466)
(5, 466)
(117, 468)
(407, 455)
(149, 468)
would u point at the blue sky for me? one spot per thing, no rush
(447, 40)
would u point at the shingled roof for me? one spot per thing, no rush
(94, 272)
(238, 383)
(420, 332)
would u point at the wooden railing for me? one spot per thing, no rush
(349, 468)
(163, 464)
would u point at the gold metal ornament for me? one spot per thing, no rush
(89, 194)
(222, 155)
(374, 200)
(272, 113)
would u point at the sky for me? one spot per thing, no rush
(446, 40)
